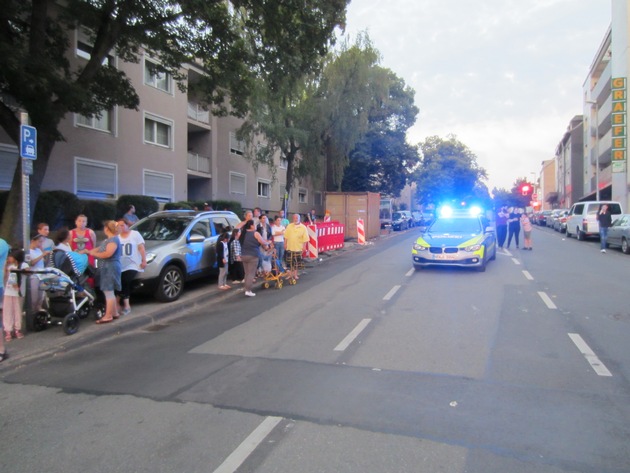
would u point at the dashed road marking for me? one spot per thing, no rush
(516, 262)
(547, 300)
(345, 343)
(590, 356)
(410, 272)
(391, 293)
(245, 449)
(528, 275)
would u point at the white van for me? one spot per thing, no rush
(582, 219)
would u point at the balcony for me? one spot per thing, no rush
(198, 163)
(198, 114)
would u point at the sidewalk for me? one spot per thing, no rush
(145, 312)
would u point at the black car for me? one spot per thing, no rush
(401, 220)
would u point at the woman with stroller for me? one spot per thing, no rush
(109, 270)
(251, 242)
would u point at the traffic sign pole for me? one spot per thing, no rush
(28, 151)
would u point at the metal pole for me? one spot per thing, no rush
(26, 208)
(597, 152)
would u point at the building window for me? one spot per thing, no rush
(284, 163)
(302, 196)
(236, 146)
(102, 123)
(264, 188)
(158, 79)
(158, 131)
(238, 183)
(8, 161)
(85, 47)
(159, 185)
(95, 179)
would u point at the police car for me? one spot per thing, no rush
(456, 238)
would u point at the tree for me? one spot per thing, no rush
(236, 41)
(312, 120)
(448, 170)
(382, 160)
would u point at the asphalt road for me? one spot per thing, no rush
(364, 365)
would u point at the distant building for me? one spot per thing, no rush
(568, 164)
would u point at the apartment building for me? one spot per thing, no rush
(170, 149)
(568, 165)
(605, 113)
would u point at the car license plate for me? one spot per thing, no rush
(445, 256)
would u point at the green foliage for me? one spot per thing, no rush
(382, 160)
(181, 205)
(448, 170)
(98, 212)
(57, 208)
(144, 205)
(231, 205)
(233, 42)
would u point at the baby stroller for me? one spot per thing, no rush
(273, 269)
(67, 300)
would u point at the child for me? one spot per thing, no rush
(38, 255)
(13, 295)
(223, 256)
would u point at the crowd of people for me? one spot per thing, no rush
(243, 253)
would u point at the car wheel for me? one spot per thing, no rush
(624, 246)
(580, 235)
(482, 267)
(170, 285)
(494, 253)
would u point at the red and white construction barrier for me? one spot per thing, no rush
(360, 232)
(312, 251)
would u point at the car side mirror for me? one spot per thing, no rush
(196, 238)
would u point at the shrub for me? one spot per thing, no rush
(97, 212)
(178, 206)
(145, 205)
(56, 208)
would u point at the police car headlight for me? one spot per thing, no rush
(473, 248)
(419, 247)
(150, 257)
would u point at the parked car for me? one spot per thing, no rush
(551, 218)
(417, 219)
(180, 246)
(560, 222)
(619, 233)
(401, 220)
(582, 221)
(541, 219)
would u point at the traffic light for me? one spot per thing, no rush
(526, 189)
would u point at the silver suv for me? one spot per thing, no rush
(180, 246)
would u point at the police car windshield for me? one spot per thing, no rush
(468, 225)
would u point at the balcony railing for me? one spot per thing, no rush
(199, 163)
(197, 113)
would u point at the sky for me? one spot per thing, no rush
(505, 77)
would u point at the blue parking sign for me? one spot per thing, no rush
(28, 142)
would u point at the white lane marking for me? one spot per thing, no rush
(245, 449)
(527, 275)
(391, 293)
(517, 262)
(345, 343)
(547, 300)
(410, 272)
(590, 356)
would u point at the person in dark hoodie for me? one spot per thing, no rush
(604, 217)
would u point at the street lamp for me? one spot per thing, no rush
(594, 103)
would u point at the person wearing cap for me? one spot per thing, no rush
(207, 206)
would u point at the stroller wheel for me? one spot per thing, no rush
(71, 323)
(279, 284)
(266, 285)
(38, 321)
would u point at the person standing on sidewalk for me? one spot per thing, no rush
(222, 251)
(251, 241)
(236, 265)
(13, 301)
(132, 260)
(277, 230)
(604, 217)
(295, 239)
